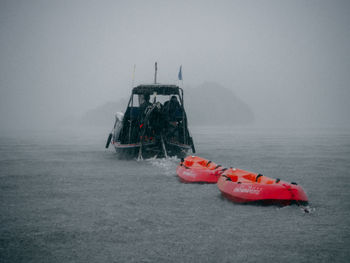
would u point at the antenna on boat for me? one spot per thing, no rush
(133, 76)
(155, 73)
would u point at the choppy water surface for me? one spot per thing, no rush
(64, 198)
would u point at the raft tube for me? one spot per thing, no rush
(245, 187)
(194, 169)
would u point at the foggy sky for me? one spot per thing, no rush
(288, 60)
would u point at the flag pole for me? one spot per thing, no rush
(155, 73)
(179, 76)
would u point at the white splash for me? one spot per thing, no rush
(168, 165)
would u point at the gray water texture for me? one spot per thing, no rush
(64, 198)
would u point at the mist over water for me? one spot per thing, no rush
(288, 61)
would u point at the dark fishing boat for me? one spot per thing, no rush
(153, 125)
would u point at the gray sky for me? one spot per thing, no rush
(288, 60)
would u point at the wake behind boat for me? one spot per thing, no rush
(154, 124)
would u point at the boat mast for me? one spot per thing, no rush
(155, 73)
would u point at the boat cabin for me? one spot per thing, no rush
(155, 113)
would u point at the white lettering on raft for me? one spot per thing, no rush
(189, 174)
(248, 189)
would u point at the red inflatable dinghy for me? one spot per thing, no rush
(194, 169)
(245, 187)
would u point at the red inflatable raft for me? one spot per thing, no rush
(194, 169)
(245, 187)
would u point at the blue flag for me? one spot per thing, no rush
(180, 73)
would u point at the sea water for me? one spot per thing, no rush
(64, 198)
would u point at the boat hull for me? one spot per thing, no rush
(127, 151)
(193, 175)
(194, 169)
(281, 193)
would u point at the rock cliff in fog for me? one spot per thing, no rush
(104, 115)
(211, 103)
